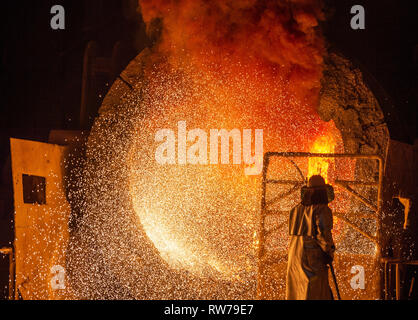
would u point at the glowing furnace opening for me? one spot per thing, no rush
(204, 218)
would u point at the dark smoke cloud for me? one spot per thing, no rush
(283, 35)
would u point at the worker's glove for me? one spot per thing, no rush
(328, 259)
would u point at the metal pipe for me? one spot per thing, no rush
(283, 195)
(379, 222)
(359, 197)
(292, 182)
(260, 281)
(335, 281)
(358, 183)
(9, 252)
(323, 155)
(398, 281)
(358, 215)
(352, 225)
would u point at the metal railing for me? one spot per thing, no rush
(376, 208)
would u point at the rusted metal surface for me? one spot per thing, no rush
(376, 208)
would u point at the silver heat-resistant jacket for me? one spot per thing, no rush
(310, 237)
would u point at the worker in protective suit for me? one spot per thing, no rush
(311, 244)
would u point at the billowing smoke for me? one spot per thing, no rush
(280, 36)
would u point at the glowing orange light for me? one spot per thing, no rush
(324, 144)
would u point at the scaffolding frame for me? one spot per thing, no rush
(297, 184)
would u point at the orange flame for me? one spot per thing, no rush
(231, 64)
(321, 166)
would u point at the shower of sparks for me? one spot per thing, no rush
(150, 231)
(198, 221)
(194, 213)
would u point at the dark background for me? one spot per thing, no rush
(41, 68)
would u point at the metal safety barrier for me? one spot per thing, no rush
(376, 207)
